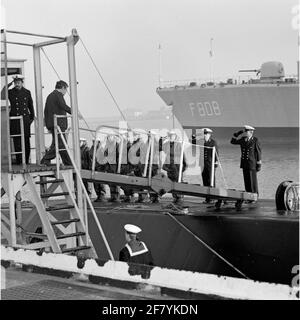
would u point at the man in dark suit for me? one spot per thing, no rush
(209, 143)
(21, 104)
(250, 156)
(56, 105)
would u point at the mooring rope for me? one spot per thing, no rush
(206, 245)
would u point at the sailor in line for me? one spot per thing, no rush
(172, 149)
(135, 251)
(21, 104)
(209, 143)
(250, 156)
(85, 161)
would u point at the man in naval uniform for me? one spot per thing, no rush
(85, 161)
(250, 156)
(172, 149)
(209, 143)
(135, 251)
(21, 104)
(98, 187)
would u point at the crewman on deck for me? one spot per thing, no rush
(98, 187)
(128, 167)
(85, 160)
(111, 153)
(135, 251)
(21, 104)
(250, 156)
(209, 144)
(172, 148)
(137, 156)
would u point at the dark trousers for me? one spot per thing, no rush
(250, 180)
(50, 154)
(206, 177)
(18, 148)
(99, 189)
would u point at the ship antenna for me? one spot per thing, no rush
(211, 59)
(159, 65)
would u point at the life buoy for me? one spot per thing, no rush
(287, 196)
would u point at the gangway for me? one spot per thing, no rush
(160, 183)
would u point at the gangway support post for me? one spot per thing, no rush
(71, 42)
(212, 177)
(39, 128)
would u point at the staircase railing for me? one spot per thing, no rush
(59, 131)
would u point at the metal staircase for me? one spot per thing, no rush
(60, 234)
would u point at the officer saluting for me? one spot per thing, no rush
(21, 105)
(209, 143)
(135, 251)
(250, 156)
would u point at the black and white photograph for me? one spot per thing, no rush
(149, 153)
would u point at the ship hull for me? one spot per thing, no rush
(264, 106)
(259, 241)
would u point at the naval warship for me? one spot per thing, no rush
(269, 101)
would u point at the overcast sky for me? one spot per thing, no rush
(123, 37)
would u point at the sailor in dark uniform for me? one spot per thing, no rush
(111, 154)
(209, 143)
(250, 156)
(172, 149)
(85, 161)
(21, 104)
(128, 167)
(98, 187)
(135, 251)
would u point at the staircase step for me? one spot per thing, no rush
(70, 235)
(36, 235)
(63, 207)
(50, 181)
(48, 195)
(75, 249)
(65, 221)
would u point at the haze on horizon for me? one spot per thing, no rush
(123, 37)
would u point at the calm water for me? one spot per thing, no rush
(280, 157)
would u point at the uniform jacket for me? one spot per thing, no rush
(250, 152)
(85, 157)
(208, 152)
(55, 104)
(136, 252)
(21, 105)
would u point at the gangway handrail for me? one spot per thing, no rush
(22, 135)
(57, 149)
(59, 131)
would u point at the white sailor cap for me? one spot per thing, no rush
(248, 128)
(131, 228)
(83, 139)
(207, 130)
(18, 77)
(172, 131)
